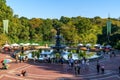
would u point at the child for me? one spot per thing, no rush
(102, 69)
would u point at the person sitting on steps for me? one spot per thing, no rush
(4, 66)
(23, 73)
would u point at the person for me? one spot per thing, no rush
(113, 53)
(20, 58)
(49, 60)
(71, 62)
(16, 58)
(65, 67)
(87, 65)
(46, 59)
(23, 73)
(119, 69)
(61, 60)
(83, 62)
(26, 58)
(98, 67)
(35, 58)
(102, 69)
(110, 55)
(23, 58)
(76, 68)
(4, 66)
(53, 60)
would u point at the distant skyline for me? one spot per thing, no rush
(68, 8)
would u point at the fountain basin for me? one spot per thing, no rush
(64, 54)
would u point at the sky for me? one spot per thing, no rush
(68, 8)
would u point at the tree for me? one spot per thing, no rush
(33, 54)
(70, 55)
(47, 30)
(35, 29)
(15, 28)
(3, 39)
(81, 54)
(70, 33)
(118, 45)
(5, 11)
(64, 20)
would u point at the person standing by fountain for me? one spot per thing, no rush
(16, 58)
(61, 60)
(76, 68)
(34, 59)
(71, 62)
(83, 61)
(26, 58)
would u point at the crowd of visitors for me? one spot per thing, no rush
(20, 59)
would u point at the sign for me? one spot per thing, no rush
(5, 26)
(108, 27)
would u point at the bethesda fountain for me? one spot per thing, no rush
(58, 47)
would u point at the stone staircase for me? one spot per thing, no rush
(94, 76)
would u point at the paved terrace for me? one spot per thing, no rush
(45, 71)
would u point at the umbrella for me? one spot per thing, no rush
(97, 45)
(88, 45)
(7, 61)
(80, 44)
(6, 45)
(108, 46)
(15, 44)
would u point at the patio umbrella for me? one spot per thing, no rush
(97, 45)
(108, 46)
(80, 44)
(6, 45)
(88, 45)
(7, 60)
(15, 44)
